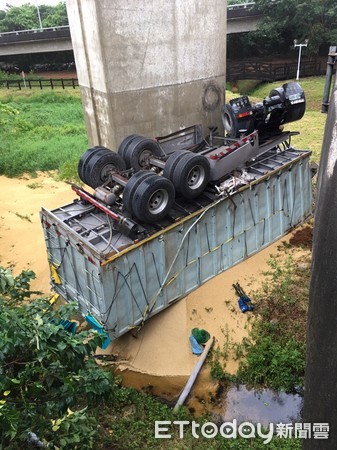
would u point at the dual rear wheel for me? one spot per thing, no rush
(146, 196)
(96, 164)
(189, 173)
(137, 150)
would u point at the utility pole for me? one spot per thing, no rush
(299, 55)
(332, 58)
(38, 15)
(320, 394)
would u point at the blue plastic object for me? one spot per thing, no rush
(196, 348)
(245, 304)
(69, 326)
(98, 327)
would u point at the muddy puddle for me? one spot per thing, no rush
(238, 402)
(265, 406)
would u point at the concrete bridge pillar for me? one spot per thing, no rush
(148, 67)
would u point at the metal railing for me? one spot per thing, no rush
(50, 83)
(250, 70)
(241, 6)
(34, 30)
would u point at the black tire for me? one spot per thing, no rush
(131, 187)
(233, 126)
(85, 158)
(153, 199)
(172, 161)
(139, 151)
(191, 175)
(124, 145)
(88, 166)
(229, 121)
(100, 165)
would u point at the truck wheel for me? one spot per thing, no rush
(153, 199)
(139, 151)
(124, 145)
(233, 125)
(131, 187)
(85, 158)
(229, 121)
(172, 161)
(191, 175)
(100, 165)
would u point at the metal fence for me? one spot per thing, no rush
(49, 83)
(246, 70)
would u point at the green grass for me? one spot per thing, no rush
(273, 355)
(40, 131)
(45, 130)
(243, 86)
(129, 424)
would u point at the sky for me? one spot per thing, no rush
(22, 2)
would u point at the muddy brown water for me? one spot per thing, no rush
(159, 360)
(238, 402)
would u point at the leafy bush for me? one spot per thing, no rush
(16, 76)
(273, 364)
(45, 371)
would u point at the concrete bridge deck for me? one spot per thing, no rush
(240, 18)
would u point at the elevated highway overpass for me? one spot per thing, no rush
(56, 39)
(240, 18)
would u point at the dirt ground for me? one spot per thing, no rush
(159, 358)
(21, 236)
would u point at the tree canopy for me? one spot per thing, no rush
(25, 17)
(286, 20)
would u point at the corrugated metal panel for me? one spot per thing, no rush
(146, 278)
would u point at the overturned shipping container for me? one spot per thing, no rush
(122, 281)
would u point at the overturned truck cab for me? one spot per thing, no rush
(134, 246)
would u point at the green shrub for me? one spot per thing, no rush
(276, 365)
(45, 372)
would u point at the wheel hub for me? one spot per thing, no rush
(144, 158)
(106, 170)
(158, 201)
(196, 177)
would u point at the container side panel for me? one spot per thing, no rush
(238, 243)
(250, 224)
(79, 278)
